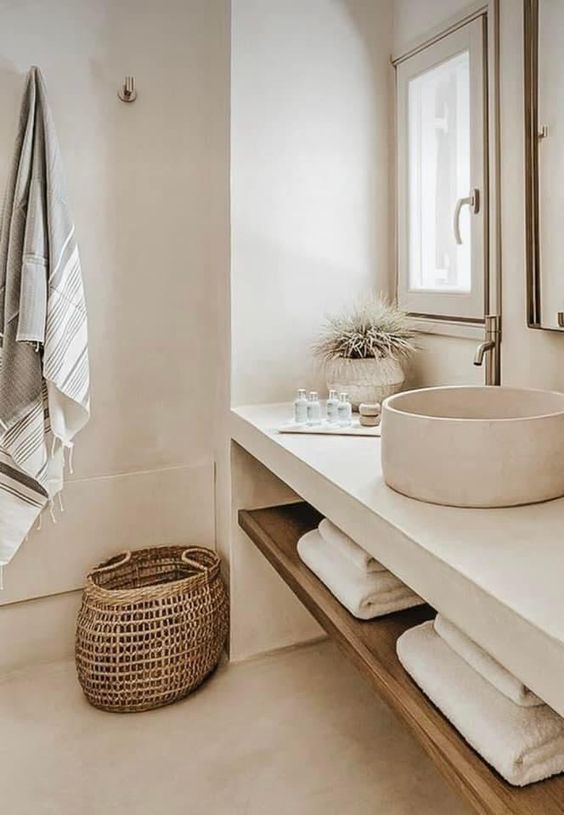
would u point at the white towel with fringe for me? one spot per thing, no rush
(487, 666)
(44, 372)
(348, 548)
(524, 744)
(365, 595)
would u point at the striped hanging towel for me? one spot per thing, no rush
(44, 373)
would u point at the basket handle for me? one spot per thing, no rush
(194, 563)
(113, 562)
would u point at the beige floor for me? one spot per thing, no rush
(298, 732)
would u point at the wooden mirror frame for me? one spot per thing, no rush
(532, 254)
(532, 201)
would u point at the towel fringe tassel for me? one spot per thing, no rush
(70, 448)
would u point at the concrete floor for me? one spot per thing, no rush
(297, 733)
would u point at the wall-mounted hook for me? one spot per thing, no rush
(127, 92)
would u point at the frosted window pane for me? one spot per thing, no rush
(439, 174)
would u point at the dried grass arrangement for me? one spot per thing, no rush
(374, 329)
(365, 349)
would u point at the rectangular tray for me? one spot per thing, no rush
(356, 429)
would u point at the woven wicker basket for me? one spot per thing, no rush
(152, 626)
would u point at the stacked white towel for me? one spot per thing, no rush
(484, 664)
(361, 584)
(523, 743)
(348, 548)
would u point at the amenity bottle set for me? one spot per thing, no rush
(308, 410)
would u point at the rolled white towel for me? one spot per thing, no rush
(365, 595)
(348, 548)
(487, 666)
(524, 744)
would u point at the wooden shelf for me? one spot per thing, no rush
(372, 648)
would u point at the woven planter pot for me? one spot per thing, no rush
(152, 626)
(365, 380)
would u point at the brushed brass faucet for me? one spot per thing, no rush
(490, 349)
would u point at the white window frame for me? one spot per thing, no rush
(452, 306)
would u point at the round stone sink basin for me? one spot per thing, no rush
(474, 446)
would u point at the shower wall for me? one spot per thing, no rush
(148, 188)
(311, 132)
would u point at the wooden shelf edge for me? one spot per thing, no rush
(371, 646)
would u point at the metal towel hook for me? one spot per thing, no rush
(127, 92)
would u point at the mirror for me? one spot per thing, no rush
(544, 144)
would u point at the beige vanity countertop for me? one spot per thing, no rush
(497, 573)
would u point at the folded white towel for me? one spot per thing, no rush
(523, 744)
(348, 548)
(487, 666)
(364, 595)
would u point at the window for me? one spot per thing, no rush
(441, 159)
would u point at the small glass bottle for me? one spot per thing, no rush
(332, 407)
(300, 407)
(313, 409)
(344, 410)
